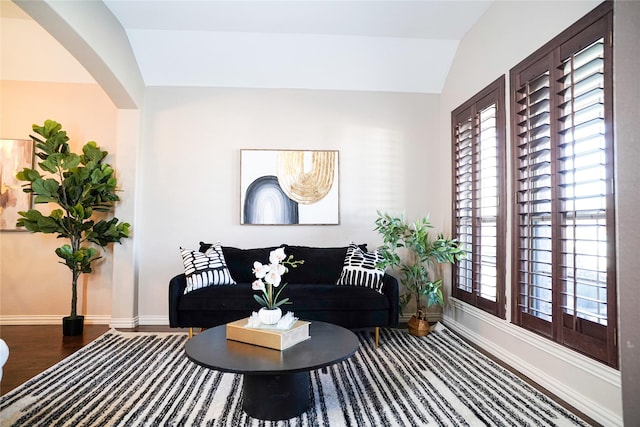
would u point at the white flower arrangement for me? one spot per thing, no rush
(269, 277)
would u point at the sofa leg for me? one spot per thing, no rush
(377, 335)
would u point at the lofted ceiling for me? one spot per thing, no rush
(399, 46)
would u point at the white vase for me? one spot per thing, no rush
(269, 317)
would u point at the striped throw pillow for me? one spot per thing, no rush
(205, 269)
(360, 269)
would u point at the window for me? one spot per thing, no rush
(479, 172)
(562, 138)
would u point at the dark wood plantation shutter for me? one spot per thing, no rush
(585, 186)
(463, 200)
(478, 128)
(534, 183)
(564, 249)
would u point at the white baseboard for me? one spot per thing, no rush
(154, 320)
(431, 317)
(50, 320)
(549, 350)
(124, 322)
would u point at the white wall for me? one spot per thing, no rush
(494, 45)
(190, 168)
(626, 59)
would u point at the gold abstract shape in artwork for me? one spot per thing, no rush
(306, 187)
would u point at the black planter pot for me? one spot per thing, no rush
(72, 327)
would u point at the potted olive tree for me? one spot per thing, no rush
(420, 252)
(83, 187)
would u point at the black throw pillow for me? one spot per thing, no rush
(321, 265)
(240, 261)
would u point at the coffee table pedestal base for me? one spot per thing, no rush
(276, 397)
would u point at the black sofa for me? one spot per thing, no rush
(311, 287)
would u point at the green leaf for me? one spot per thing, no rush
(31, 214)
(48, 225)
(79, 260)
(282, 302)
(70, 161)
(79, 211)
(35, 222)
(279, 292)
(47, 188)
(50, 127)
(105, 232)
(261, 300)
(57, 214)
(41, 199)
(92, 152)
(65, 252)
(107, 170)
(52, 186)
(56, 139)
(28, 174)
(49, 165)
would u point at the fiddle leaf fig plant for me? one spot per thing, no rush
(81, 186)
(421, 252)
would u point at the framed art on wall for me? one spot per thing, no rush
(15, 155)
(288, 187)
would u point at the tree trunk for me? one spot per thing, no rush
(418, 296)
(74, 293)
(75, 246)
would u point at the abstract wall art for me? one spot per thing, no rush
(287, 187)
(15, 155)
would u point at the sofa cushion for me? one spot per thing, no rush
(240, 261)
(305, 298)
(205, 269)
(329, 297)
(321, 265)
(360, 268)
(214, 298)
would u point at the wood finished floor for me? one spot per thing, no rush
(33, 349)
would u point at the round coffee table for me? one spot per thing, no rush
(276, 384)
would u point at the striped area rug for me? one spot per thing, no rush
(136, 379)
